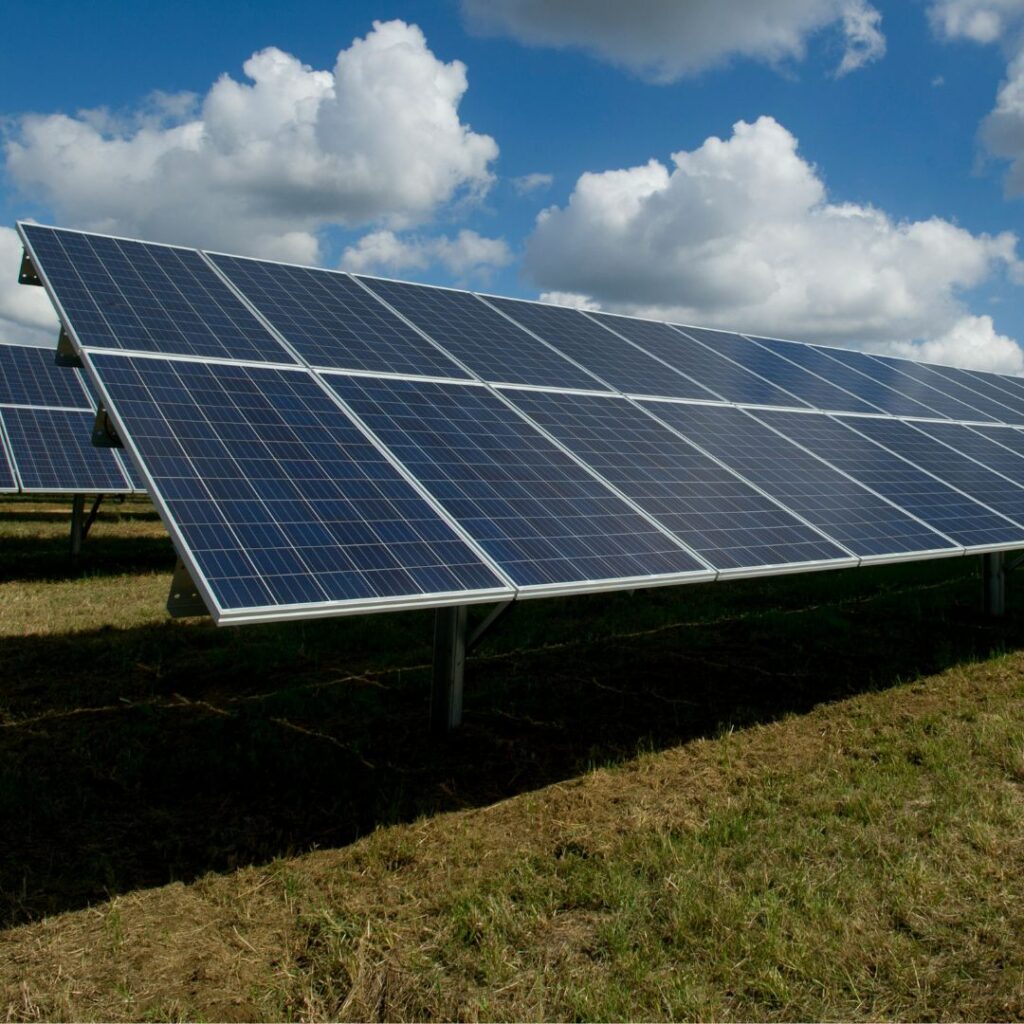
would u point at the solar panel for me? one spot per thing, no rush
(7, 481)
(53, 452)
(135, 296)
(331, 321)
(30, 376)
(542, 517)
(867, 524)
(279, 500)
(488, 343)
(816, 359)
(1008, 437)
(797, 381)
(620, 363)
(936, 503)
(1012, 386)
(720, 375)
(969, 442)
(723, 519)
(974, 392)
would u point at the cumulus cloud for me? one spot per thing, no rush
(983, 21)
(26, 315)
(972, 341)
(664, 40)
(740, 233)
(467, 254)
(260, 166)
(573, 299)
(527, 183)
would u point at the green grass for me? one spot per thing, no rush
(796, 798)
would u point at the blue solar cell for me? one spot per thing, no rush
(977, 394)
(967, 441)
(331, 321)
(280, 499)
(988, 385)
(53, 451)
(488, 343)
(797, 381)
(939, 505)
(620, 363)
(1010, 385)
(1008, 437)
(865, 523)
(147, 298)
(869, 389)
(543, 518)
(720, 375)
(29, 376)
(723, 519)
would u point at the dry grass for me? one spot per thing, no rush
(790, 800)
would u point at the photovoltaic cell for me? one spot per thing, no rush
(53, 451)
(1008, 437)
(488, 343)
(815, 359)
(863, 522)
(1011, 385)
(719, 516)
(943, 508)
(988, 385)
(29, 376)
(621, 364)
(969, 442)
(543, 518)
(147, 298)
(280, 499)
(721, 376)
(995, 404)
(333, 322)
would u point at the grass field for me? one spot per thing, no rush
(798, 798)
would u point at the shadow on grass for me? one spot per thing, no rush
(132, 758)
(30, 557)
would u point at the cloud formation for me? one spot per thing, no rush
(665, 40)
(260, 166)
(26, 315)
(468, 254)
(740, 233)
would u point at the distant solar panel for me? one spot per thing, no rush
(867, 524)
(331, 321)
(620, 363)
(141, 297)
(279, 499)
(488, 343)
(54, 454)
(542, 517)
(936, 503)
(974, 391)
(723, 519)
(29, 376)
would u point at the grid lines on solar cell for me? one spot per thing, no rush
(794, 379)
(29, 376)
(279, 497)
(940, 506)
(484, 340)
(1001, 381)
(995, 403)
(53, 451)
(988, 385)
(726, 379)
(969, 441)
(616, 361)
(871, 390)
(854, 516)
(150, 298)
(538, 514)
(1008, 437)
(332, 322)
(718, 515)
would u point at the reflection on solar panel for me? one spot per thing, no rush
(868, 525)
(613, 359)
(543, 518)
(931, 500)
(146, 298)
(278, 497)
(973, 391)
(488, 343)
(30, 376)
(331, 321)
(719, 516)
(53, 451)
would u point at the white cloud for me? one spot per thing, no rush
(1002, 131)
(467, 254)
(261, 166)
(527, 183)
(26, 315)
(983, 21)
(971, 342)
(664, 40)
(740, 233)
(573, 299)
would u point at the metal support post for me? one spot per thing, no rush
(449, 666)
(993, 582)
(77, 517)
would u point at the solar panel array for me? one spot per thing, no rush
(46, 420)
(320, 443)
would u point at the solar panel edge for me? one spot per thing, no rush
(7, 457)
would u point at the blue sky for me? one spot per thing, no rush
(878, 207)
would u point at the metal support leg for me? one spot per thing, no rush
(77, 522)
(449, 665)
(91, 517)
(993, 582)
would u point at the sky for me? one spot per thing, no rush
(849, 172)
